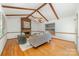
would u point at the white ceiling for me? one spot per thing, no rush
(62, 9)
(65, 9)
(47, 12)
(25, 5)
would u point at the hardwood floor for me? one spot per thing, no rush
(12, 48)
(56, 47)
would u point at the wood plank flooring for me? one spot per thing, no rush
(56, 47)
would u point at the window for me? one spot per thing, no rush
(2, 25)
(50, 27)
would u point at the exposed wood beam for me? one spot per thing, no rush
(34, 18)
(37, 9)
(42, 15)
(17, 14)
(53, 10)
(20, 8)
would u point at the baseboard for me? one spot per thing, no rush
(64, 40)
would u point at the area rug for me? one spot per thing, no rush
(25, 46)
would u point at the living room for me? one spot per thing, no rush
(42, 26)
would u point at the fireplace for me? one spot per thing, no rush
(27, 34)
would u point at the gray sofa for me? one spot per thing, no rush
(40, 38)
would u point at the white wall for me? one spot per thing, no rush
(62, 25)
(36, 26)
(3, 39)
(2, 43)
(13, 25)
(65, 25)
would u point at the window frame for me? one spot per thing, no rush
(2, 24)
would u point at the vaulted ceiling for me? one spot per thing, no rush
(46, 13)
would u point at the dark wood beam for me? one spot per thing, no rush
(34, 18)
(53, 10)
(20, 8)
(42, 15)
(17, 14)
(37, 9)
